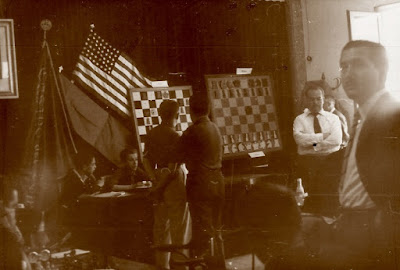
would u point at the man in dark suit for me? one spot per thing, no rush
(370, 182)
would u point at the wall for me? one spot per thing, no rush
(195, 37)
(326, 32)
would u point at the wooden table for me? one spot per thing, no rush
(117, 224)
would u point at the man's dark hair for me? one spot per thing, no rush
(376, 54)
(314, 85)
(126, 152)
(169, 110)
(83, 158)
(199, 104)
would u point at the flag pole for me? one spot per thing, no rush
(46, 26)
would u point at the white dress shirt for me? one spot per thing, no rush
(309, 143)
(352, 193)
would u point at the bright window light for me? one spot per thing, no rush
(390, 38)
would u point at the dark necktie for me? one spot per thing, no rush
(317, 126)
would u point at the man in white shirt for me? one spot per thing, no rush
(318, 136)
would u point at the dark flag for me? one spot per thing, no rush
(94, 124)
(49, 143)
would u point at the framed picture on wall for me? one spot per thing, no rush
(8, 65)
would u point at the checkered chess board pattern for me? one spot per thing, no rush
(243, 108)
(146, 102)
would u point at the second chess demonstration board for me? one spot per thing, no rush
(243, 108)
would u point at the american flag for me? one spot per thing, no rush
(108, 73)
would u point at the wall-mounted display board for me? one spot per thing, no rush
(243, 108)
(146, 102)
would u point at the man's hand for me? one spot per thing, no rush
(326, 135)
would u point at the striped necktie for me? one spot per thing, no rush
(356, 121)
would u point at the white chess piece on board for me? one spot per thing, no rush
(234, 148)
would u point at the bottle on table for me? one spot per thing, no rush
(300, 194)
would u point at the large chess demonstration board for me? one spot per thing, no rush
(146, 102)
(243, 108)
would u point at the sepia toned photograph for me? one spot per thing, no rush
(200, 135)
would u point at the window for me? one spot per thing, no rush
(381, 26)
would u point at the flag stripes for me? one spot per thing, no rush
(108, 74)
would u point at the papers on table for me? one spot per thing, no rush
(60, 255)
(111, 194)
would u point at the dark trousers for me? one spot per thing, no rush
(358, 240)
(364, 238)
(205, 194)
(321, 176)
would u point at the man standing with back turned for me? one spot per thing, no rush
(200, 147)
(370, 182)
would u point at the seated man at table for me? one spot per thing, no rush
(80, 180)
(129, 174)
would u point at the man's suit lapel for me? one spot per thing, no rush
(368, 139)
(372, 146)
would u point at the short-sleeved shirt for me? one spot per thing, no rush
(160, 145)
